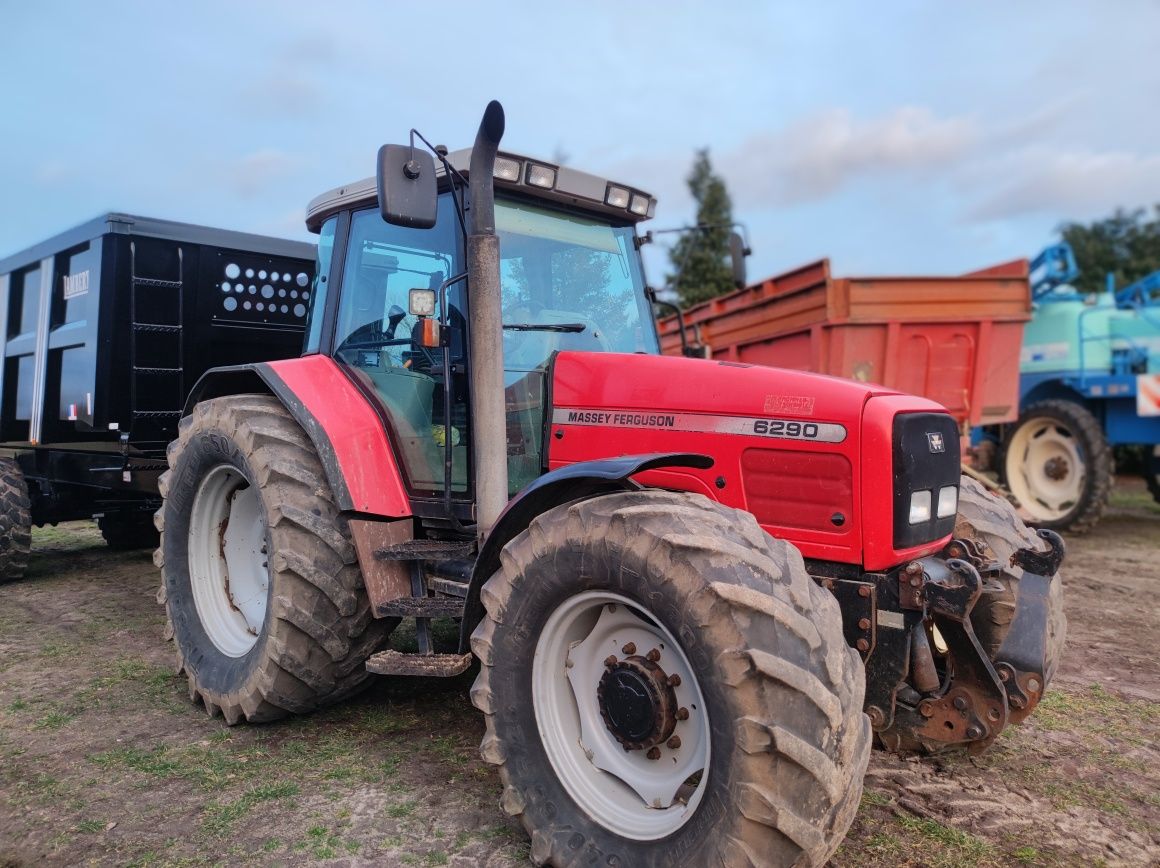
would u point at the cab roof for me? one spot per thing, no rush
(538, 178)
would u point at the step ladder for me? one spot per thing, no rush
(153, 376)
(426, 558)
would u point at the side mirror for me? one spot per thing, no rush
(408, 195)
(737, 253)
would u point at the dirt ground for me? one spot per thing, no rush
(103, 759)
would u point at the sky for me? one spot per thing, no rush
(893, 137)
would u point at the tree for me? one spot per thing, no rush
(700, 256)
(1127, 244)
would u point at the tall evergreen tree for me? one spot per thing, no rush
(700, 258)
(1127, 244)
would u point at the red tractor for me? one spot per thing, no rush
(696, 589)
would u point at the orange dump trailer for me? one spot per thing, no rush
(954, 340)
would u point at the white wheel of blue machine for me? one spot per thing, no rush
(1058, 464)
(663, 684)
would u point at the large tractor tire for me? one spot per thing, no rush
(993, 522)
(663, 684)
(261, 583)
(128, 531)
(15, 522)
(1059, 465)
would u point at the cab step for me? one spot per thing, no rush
(421, 607)
(424, 665)
(426, 550)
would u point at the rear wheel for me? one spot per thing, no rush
(261, 583)
(663, 684)
(1057, 462)
(15, 521)
(1152, 472)
(128, 531)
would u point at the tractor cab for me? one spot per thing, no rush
(570, 279)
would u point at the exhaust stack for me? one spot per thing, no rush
(489, 425)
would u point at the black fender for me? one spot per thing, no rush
(581, 481)
(246, 379)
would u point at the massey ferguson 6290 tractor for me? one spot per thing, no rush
(696, 589)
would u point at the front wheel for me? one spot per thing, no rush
(664, 684)
(15, 522)
(1058, 464)
(261, 583)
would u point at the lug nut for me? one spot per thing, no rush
(654, 753)
(674, 680)
(674, 742)
(864, 624)
(629, 649)
(653, 656)
(863, 645)
(973, 732)
(926, 708)
(610, 661)
(1033, 685)
(1004, 674)
(864, 591)
(682, 713)
(960, 703)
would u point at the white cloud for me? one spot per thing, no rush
(822, 153)
(1079, 185)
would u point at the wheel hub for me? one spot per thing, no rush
(1055, 468)
(637, 703)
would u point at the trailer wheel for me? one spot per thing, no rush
(261, 583)
(1057, 462)
(1152, 472)
(663, 684)
(15, 521)
(128, 531)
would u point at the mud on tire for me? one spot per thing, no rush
(318, 630)
(789, 743)
(15, 522)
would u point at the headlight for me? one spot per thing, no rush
(639, 205)
(919, 507)
(948, 501)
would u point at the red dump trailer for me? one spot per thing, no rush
(954, 340)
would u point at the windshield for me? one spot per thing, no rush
(569, 283)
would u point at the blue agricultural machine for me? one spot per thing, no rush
(1089, 380)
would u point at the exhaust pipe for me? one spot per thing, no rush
(489, 420)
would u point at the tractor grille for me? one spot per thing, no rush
(798, 489)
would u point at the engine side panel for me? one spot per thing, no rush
(774, 436)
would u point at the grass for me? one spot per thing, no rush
(219, 817)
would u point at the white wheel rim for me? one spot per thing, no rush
(624, 791)
(228, 569)
(1046, 469)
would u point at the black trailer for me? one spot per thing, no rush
(104, 330)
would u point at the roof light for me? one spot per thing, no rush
(507, 169)
(541, 176)
(639, 205)
(617, 197)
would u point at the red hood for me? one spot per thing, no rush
(642, 382)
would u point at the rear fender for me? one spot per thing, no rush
(347, 433)
(575, 482)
